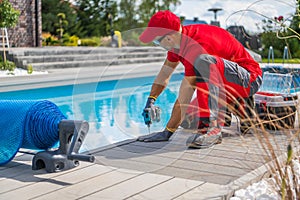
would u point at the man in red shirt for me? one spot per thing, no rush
(216, 65)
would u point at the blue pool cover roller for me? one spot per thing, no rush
(28, 124)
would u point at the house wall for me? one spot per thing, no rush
(28, 31)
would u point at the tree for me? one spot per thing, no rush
(278, 35)
(61, 24)
(135, 14)
(93, 16)
(127, 19)
(148, 7)
(295, 24)
(8, 18)
(294, 43)
(50, 16)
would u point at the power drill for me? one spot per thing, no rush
(151, 115)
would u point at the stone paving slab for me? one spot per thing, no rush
(237, 162)
(136, 170)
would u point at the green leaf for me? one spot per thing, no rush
(8, 15)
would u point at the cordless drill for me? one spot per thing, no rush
(151, 115)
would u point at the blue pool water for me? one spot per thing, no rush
(112, 108)
(280, 79)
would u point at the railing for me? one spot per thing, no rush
(271, 54)
(285, 54)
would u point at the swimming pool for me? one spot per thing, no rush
(112, 108)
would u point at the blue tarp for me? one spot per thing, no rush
(27, 124)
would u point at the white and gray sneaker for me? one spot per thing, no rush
(201, 141)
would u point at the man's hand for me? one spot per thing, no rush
(150, 102)
(156, 137)
(149, 108)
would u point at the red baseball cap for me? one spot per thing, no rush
(161, 23)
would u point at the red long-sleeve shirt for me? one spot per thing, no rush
(213, 40)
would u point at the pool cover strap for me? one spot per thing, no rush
(27, 124)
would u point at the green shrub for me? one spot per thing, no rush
(29, 69)
(47, 41)
(73, 41)
(90, 42)
(297, 54)
(50, 41)
(70, 40)
(8, 65)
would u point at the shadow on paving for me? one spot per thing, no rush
(221, 164)
(20, 169)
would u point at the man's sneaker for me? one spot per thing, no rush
(201, 141)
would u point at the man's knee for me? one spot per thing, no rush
(255, 85)
(202, 67)
(205, 59)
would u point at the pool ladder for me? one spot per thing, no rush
(271, 54)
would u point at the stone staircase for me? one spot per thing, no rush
(46, 58)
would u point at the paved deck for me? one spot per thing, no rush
(136, 170)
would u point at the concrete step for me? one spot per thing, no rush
(82, 57)
(38, 51)
(93, 63)
(67, 57)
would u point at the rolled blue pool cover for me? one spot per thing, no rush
(27, 124)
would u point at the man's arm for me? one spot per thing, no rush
(186, 92)
(163, 77)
